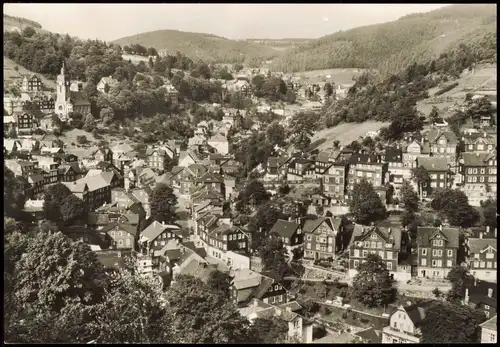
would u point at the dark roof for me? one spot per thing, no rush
(311, 224)
(284, 228)
(78, 98)
(433, 164)
(417, 312)
(426, 234)
(477, 159)
(434, 135)
(478, 293)
(173, 254)
(369, 335)
(393, 155)
(476, 245)
(131, 229)
(265, 284)
(360, 233)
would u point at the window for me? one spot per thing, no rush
(367, 244)
(230, 237)
(296, 324)
(389, 255)
(308, 246)
(379, 245)
(373, 236)
(490, 255)
(373, 245)
(424, 262)
(365, 253)
(450, 253)
(488, 264)
(381, 254)
(356, 253)
(280, 298)
(476, 264)
(389, 266)
(356, 264)
(424, 251)
(437, 252)
(437, 242)
(486, 307)
(271, 300)
(276, 287)
(482, 264)
(449, 263)
(309, 237)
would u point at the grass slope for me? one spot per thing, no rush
(391, 46)
(207, 47)
(11, 23)
(10, 75)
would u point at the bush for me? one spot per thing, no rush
(446, 89)
(82, 139)
(344, 315)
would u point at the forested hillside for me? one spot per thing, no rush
(208, 47)
(13, 23)
(393, 98)
(394, 45)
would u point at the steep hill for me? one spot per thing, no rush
(207, 47)
(11, 23)
(13, 72)
(392, 46)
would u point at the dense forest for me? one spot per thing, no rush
(210, 48)
(393, 98)
(392, 46)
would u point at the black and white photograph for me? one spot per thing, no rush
(208, 173)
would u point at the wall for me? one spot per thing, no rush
(238, 261)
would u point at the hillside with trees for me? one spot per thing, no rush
(208, 47)
(392, 46)
(11, 23)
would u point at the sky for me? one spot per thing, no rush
(234, 21)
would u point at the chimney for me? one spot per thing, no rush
(481, 235)
(490, 292)
(389, 231)
(163, 223)
(441, 227)
(466, 295)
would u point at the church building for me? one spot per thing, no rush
(68, 101)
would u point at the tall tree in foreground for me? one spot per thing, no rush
(200, 315)
(459, 277)
(163, 203)
(365, 204)
(421, 176)
(372, 285)
(273, 256)
(53, 200)
(450, 323)
(13, 194)
(454, 204)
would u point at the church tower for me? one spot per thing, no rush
(62, 94)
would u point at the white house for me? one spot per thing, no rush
(220, 143)
(489, 331)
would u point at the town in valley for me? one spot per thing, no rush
(178, 187)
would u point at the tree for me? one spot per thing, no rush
(253, 193)
(328, 89)
(53, 199)
(409, 197)
(72, 209)
(89, 123)
(220, 282)
(490, 213)
(262, 222)
(302, 142)
(268, 330)
(454, 204)
(107, 115)
(81, 139)
(200, 315)
(276, 134)
(29, 31)
(237, 67)
(421, 176)
(434, 115)
(273, 256)
(12, 134)
(54, 269)
(163, 204)
(365, 204)
(13, 194)
(450, 323)
(290, 96)
(372, 285)
(460, 278)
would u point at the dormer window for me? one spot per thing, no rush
(373, 236)
(437, 243)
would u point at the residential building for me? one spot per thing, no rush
(437, 249)
(405, 324)
(96, 189)
(247, 285)
(25, 122)
(482, 295)
(103, 154)
(106, 83)
(31, 83)
(187, 158)
(439, 174)
(385, 242)
(223, 237)
(335, 180)
(155, 237)
(320, 237)
(20, 167)
(299, 169)
(416, 148)
(289, 232)
(443, 144)
(299, 328)
(369, 167)
(158, 158)
(479, 170)
(398, 172)
(123, 236)
(479, 142)
(220, 143)
(68, 101)
(274, 165)
(489, 331)
(482, 257)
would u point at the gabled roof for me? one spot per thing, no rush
(285, 228)
(77, 186)
(433, 164)
(417, 312)
(131, 229)
(209, 177)
(490, 324)
(393, 155)
(425, 235)
(434, 135)
(477, 159)
(155, 229)
(327, 156)
(361, 233)
(480, 245)
(311, 225)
